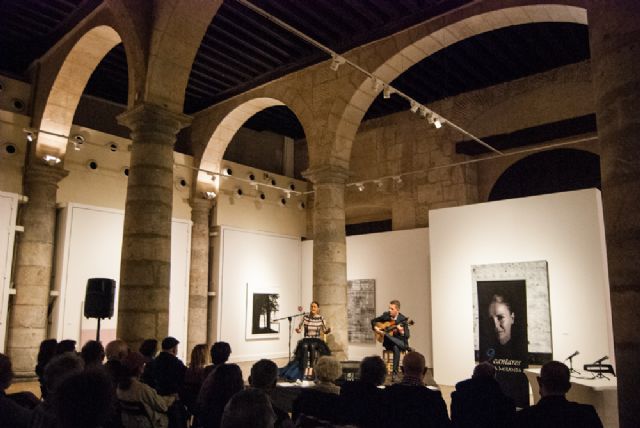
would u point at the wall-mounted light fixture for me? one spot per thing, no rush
(209, 195)
(51, 160)
(336, 62)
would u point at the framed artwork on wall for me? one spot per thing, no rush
(262, 307)
(361, 308)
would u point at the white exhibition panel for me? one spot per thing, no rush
(399, 262)
(8, 212)
(261, 261)
(565, 229)
(89, 246)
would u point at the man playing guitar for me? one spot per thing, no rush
(395, 328)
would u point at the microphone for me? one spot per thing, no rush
(606, 357)
(572, 355)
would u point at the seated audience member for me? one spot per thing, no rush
(92, 354)
(132, 390)
(220, 386)
(361, 401)
(46, 352)
(249, 408)
(554, 410)
(264, 376)
(194, 377)
(480, 403)
(115, 352)
(321, 401)
(11, 413)
(84, 399)
(66, 345)
(220, 352)
(412, 404)
(57, 370)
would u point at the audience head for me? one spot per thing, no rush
(225, 381)
(249, 408)
(59, 368)
(47, 351)
(198, 356)
(6, 372)
(170, 345)
(92, 353)
(149, 348)
(220, 352)
(131, 367)
(116, 350)
(373, 370)
(264, 374)
(414, 365)
(484, 370)
(327, 369)
(83, 399)
(66, 345)
(554, 379)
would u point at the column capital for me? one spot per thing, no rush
(202, 205)
(143, 115)
(327, 174)
(41, 173)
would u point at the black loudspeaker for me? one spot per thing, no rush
(98, 301)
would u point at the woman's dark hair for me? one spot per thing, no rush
(149, 348)
(92, 353)
(131, 367)
(316, 302)
(373, 370)
(45, 353)
(198, 356)
(67, 345)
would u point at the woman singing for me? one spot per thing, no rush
(312, 345)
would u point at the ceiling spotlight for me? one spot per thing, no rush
(209, 195)
(238, 193)
(30, 134)
(287, 194)
(51, 160)
(435, 120)
(337, 62)
(227, 171)
(414, 106)
(397, 179)
(360, 186)
(423, 111)
(386, 92)
(379, 185)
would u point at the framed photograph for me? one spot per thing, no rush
(361, 308)
(262, 307)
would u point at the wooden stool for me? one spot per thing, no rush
(387, 357)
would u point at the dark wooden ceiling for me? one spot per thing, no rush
(242, 50)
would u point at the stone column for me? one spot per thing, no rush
(614, 33)
(199, 273)
(329, 253)
(143, 310)
(34, 259)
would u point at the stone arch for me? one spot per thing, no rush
(410, 47)
(230, 122)
(65, 93)
(550, 171)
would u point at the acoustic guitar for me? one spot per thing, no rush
(389, 327)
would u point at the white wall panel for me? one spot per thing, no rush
(8, 211)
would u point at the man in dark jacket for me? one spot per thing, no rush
(412, 404)
(396, 332)
(554, 410)
(168, 371)
(480, 403)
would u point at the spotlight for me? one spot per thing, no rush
(435, 120)
(423, 111)
(301, 205)
(379, 185)
(51, 160)
(77, 141)
(414, 106)
(386, 92)
(360, 186)
(227, 171)
(282, 202)
(287, 193)
(397, 179)
(337, 62)
(238, 193)
(30, 134)
(209, 195)
(251, 176)
(262, 196)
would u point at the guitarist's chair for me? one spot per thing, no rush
(387, 357)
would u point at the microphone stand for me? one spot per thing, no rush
(571, 369)
(290, 318)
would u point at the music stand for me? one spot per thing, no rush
(600, 370)
(290, 318)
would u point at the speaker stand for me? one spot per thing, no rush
(98, 331)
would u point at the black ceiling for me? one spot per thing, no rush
(242, 50)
